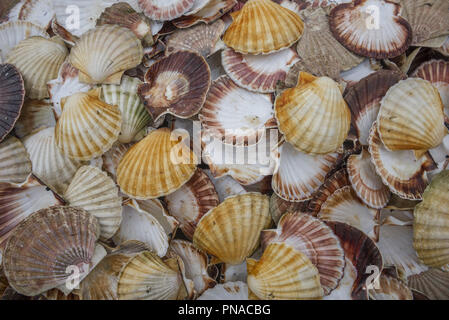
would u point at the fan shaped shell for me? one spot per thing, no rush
(15, 163)
(164, 10)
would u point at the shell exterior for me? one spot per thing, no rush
(39, 12)
(371, 28)
(208, 14)
(45, 244)
(92, 190)
(156, 166)
(277, 27)
(38, 59)
(313, 116)
(112, 158)
(316, 240)
(227, 291)
(411, 116)
(230, 232)
(87, 127)
(192, 201)
(35, 115)
(432, 283)
(283, 273)
(15, 163)
(391, 289)
(176, 84)
(118, 51)
(12, 95)
(279, 206)
(431, 223)
(164, 10)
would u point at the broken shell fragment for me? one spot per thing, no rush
(208, 14)
(227, 291)
(165, 10)
(390, 288)
(279, 207)
(15, 163)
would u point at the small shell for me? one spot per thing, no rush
(432, 283)
(165, 10)
(355, 26)
(12, 93)
(283, 273)
(35, 115)
(314, 117)
(105, 62)
(231, 231)
(208, 14)
(176, 84)
(38, 59)
(15, 163)
(277, 28)
(279, 206)
(390, 289)
(112, 158)
(192, 201)
(227, 291)
(156, 166)
(85, 118)
(45, 244)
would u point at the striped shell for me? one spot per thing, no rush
(15, 163)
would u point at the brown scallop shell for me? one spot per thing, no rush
(279, 206)
(434, 283)
(15, 163)
(165, 10)
(211, 12)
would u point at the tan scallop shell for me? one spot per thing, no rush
(208, 14)
(433, 283)
(15, 163)
(230, 232)
(35, 115)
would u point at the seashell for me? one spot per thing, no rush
(48, 163)
(39, 12)
(58, 295)
(35, 115)
(230, 232)
(92, 190)
(364, 99)
(61, 32)
(432, 283)
(259, 15)
(279, 206)
(188, 289)
(85, 118)
(45, 244)
(203, 39)
(283, 273)
(176, 84)
(313, 116)
(411, 116)
(112, 158)
(320, 52)
(105, 64)
(15, 163)
(208, 14)
(158, 211)
(400, 170)
(295, 185)
(156, 166)
(5, 8)
(147, 277)
(17, 202)
(354, 75)
(444, 49)
(12, 94)
(138, 224)
(225, 186)
(227, 291)
(197, 6)
(162, 10)
(344, 288)
(366, 182)
(431, 223)
(316, 240)
(13, 32)
(235, 115)
(38, 59)
(357, 26)
(192, 201)
(390, 289)
(135, 118)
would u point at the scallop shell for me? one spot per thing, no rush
(105, 64)
(156, 166)
(235, 115)
(85, 118)
(366, 182)
(61, 32)
(192, 201)
(165, 10)
(15, 163)
(227, 291)
(5, 7)
(431, 223)
(38, 59)
(390, 289)
(48, 163)
(367, 67)
(45, 244)
(230, 232)
(35, 115)
(158, 211)
(283, 273)
(411, 116)
(112, 158)
(208, 14)
(371, 28)
(432, 283)
(12, 94)
(444, 49)
(279, 206)
(316, 240)
(176, 84)
(314, 117)
(39, 12)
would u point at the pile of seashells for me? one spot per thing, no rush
(128, 130)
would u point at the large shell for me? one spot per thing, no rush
(313, 238)
(227, 291)
(176, 84)
(283, 273)
(314, 117)
(230, 232)
(411, 116)
(15, 163)
(433, 283)
(105, 62)
(431, 223)
(12, 93)
(277, 28)
(45, 244)
(371, 28)
(35, 115)
(156, 166)
(87, 127)
(38, 60)
(164, 10)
